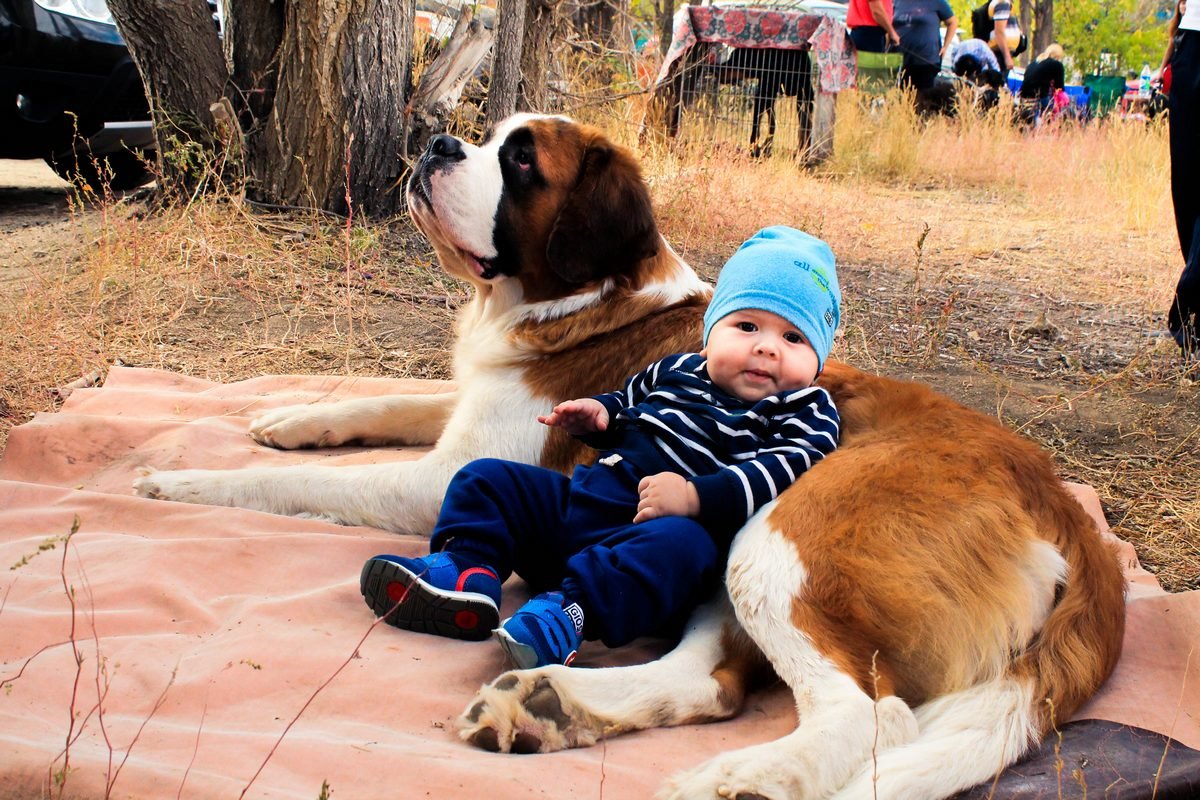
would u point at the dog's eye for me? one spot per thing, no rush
(523, 159)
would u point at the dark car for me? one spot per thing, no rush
(70, 92)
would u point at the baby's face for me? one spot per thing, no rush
(753, 354)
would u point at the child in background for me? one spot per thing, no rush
(691, 448)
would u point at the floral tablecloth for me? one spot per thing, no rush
(751, 27)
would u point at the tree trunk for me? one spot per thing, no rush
(182, 81)
(1026, 16)
(537, 56)
(252, 38)
(377, 85)
(343, 72)
(506, 61)
(665, 16)
(317, 86)
(1043, 25)
(601, 20)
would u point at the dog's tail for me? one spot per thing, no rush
(969, 736)
(1080, 641)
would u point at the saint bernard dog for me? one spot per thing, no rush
(931, 593)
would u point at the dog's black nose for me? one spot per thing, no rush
(446, 146)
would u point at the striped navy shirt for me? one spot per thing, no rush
(738, 454)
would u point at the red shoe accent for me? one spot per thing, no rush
(466, 620)
(466, 573)
(397, 591)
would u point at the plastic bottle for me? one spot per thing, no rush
(1144, 82)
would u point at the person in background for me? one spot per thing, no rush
(1043, 77)
(998, 19)
(972, 57)
(918, 24)
(1162, 75)
(1183, 101)
(870, 24)
(975, 63)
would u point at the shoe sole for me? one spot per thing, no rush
(524, 656)
(406, 602)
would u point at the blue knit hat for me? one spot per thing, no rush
(786, 272)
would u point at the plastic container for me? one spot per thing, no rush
(1106, 92)
(878, 72)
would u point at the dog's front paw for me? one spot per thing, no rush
(295, 427)
(524, 712)
(184, 486)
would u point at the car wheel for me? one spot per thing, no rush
(117, 171)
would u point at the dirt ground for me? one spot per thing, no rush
(1090, 379)
(32, 200)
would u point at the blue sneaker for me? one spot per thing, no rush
(440, 594)
(543, 631)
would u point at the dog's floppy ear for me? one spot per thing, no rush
(607, 224)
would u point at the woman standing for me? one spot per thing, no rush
(870, 24)
(1183, 57)
(919, 25)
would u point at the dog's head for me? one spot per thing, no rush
(544, 200)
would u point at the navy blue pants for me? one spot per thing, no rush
(1183, 318)
(577, 534)
(870, 39)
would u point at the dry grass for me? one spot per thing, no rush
(218, 289)
(1022, 273)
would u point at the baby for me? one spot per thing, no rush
(690, 449)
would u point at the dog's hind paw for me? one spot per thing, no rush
(185, 486)
(146, 486)
(737, 777)
(524, 712)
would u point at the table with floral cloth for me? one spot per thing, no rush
(756, 27)
(824, 35)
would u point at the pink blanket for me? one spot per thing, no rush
(170, 649)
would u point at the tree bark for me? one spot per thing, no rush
(1043, 25)
(537, 56)
(506, 61)
(343, 72)
(318, 89)
(601, 20)
(182, 81)
(377, 84)
(253, 35)
(665, 16)
(1026, 17)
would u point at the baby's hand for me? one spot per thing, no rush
(577, 417)
(666, 495)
